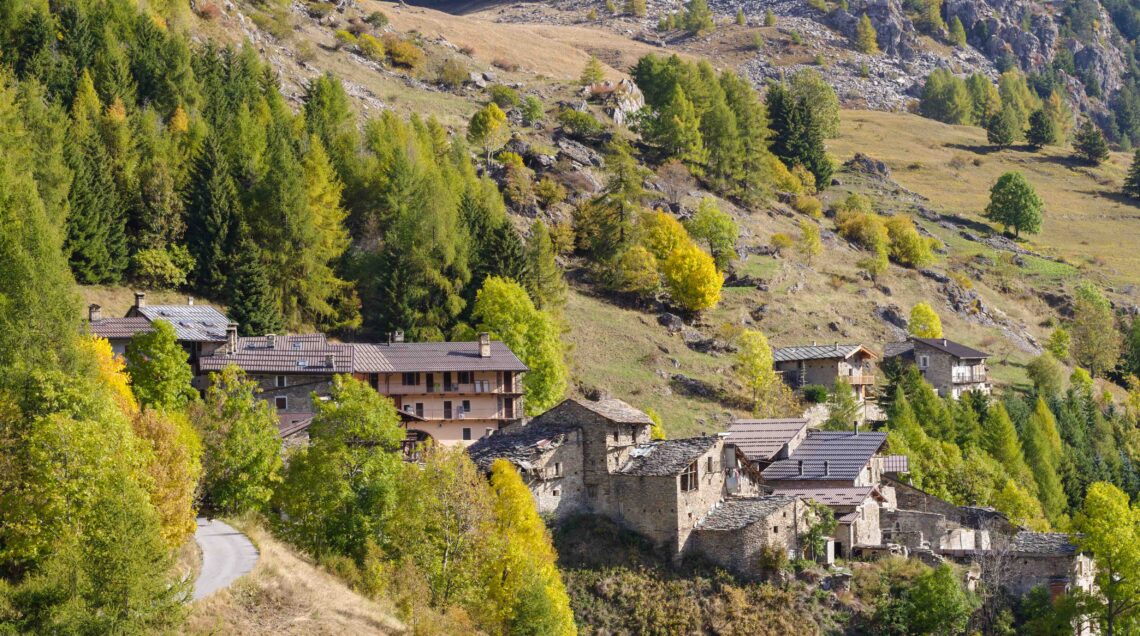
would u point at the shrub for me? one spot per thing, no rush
(815, 393)
(453, 73)
(377, 19)
(867, 230)
(908, 247)
(403, 52)
(157, 268)
(797, 39)
(509, 159)
(505, 96)
(549, 192)
(370, 48)
(781, 241)
(532, 109)
(318, 9)
(344, 38)
(805, 177)
(579, 124)
(305, 51)
(505, 64)
(562, 237)
(809, 205)
(208, 11)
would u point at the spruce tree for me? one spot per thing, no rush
(250, 297)
(213, 217)
(96, 225)
(1042, 131)
(1132, 181)
(1089, 144)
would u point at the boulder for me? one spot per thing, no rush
(671, 322)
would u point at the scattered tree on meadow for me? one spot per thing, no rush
(1089, 144)
(717, 229)
(1042, 130)
(489, 129)
(1014, 203)
(1003, 128)
(924, 322)
(1132, 181)
(809, 244)
(908, 247)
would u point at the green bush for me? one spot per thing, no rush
(505, 96)
(377, 19)
(532, 109)
(344, 38)
(809, 205)
(815, 393)
(371, 48)
(453, 73)
(579, 124)
(157, 268)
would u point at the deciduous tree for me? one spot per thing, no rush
(924, 322)
(1109, 529)
(1014, 203)
(1096, 342)
(159, 368)
(691, 277)
(754, 369)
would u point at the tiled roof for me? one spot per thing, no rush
(735, 514)
(521, 448)
(955, 349)
(306, 353)
(894, 349)
(845, 452)
(289, 424)
(896, 464)
(1043, 543)
(192, 323)
(760, 440)
(401, 357)
(120, 328)
(616, 410)
(852, 496)
(817, 352)
(668, 457)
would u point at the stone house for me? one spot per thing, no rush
(856, 510)
(451, 392)
(596, 457)
(951, 368)
(802, 365)
(200, 329)
(766, 440)
(1047, 559)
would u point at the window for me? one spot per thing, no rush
(280, 382)
(487, 432)
(615, 436)
(281, 402)
(708, 464)
(464, 377)
(431, 383)
(554, 492)
(411, 379)
(419, 409)
(466, 408)
(775, 529)
(923, 362)
(466, 434)
(557, 468)
(689, 478)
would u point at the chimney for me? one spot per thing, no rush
(943, 342)
(270, 340)
(484, 345)
(189, 300)
(800, 467)
(837, 346)
(330, 361)
(140, 299)
(94, 312)
(231, 338)
(826, 468)
(398, 336)
(856, 426)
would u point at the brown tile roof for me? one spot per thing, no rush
(668, 457)
(845, 452)
(120, 328)
(760, 440)
(840, 497)
(305, 354)
(734, 514)
(819, 352)
(401, 357)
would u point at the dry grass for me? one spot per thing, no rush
(115, 301)
(287, 594)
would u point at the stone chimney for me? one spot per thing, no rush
(94, 312)
(855, 424)
(826, 468)
(800, 467)
(189, 300)
(330, 361)
(398, 335)
(484, 345)
(231, 338)
(943, 342)
(140, 299)
(271, 340)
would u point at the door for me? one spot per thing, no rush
(447, 410)
(431, 383)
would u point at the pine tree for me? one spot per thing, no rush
(866, 39)
(957, 32)
(213, 217)
(1042, 131)
(96, 226)
(1090, 145)
(251, 300)
(1132, 181)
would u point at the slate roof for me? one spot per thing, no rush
(896, 464)
(1043, 543)
(408, 357)
(818, 352)
(305, 353)
(667, 457)
(120, 328)
(289, 424)
(615, 410)
(735, 514)
(852, 496)
(192, 323)
(522, 448)
(760, 440)
(846, 452)
(955, 349)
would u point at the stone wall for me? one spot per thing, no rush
(739, 550)
(914, 529)
(1027, 571)
(297, 390)
(556, 480)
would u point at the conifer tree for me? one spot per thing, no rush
(957, 32)
(1132, 181)
(544, 281)
(1090, 145)
(1042, 131)
(1002, 128)
(96, 226)
(593, 72)
(698, 18)
(740, 21)
(1041, 444)
(999, 439)
(721, 137)
(250, 296)
(678, 130)
(866, 39)
(213, 217)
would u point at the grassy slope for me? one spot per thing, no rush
(287, 594)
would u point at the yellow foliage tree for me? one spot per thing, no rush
(660, 233)
(924, 322)
(692, 279)
(809, 244)
(174, 465)
(754, 370)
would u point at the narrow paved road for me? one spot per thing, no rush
(226, 556)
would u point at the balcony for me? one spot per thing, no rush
(859, 378)
(437, 412)
(968, 376)
(475, 388)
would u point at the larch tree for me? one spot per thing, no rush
(1038, 440)
(698, 18)
(866, 38)
(489, 129)
(1109, 528)
(924, 322)
(1095, 339)
(593, 72)
(544, 277)
(810, 245)
(754, 369)
(678, 131)
(1014, 203)
(999, 439)
(957, 32)
(692, 279)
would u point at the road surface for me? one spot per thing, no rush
(226, 556)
